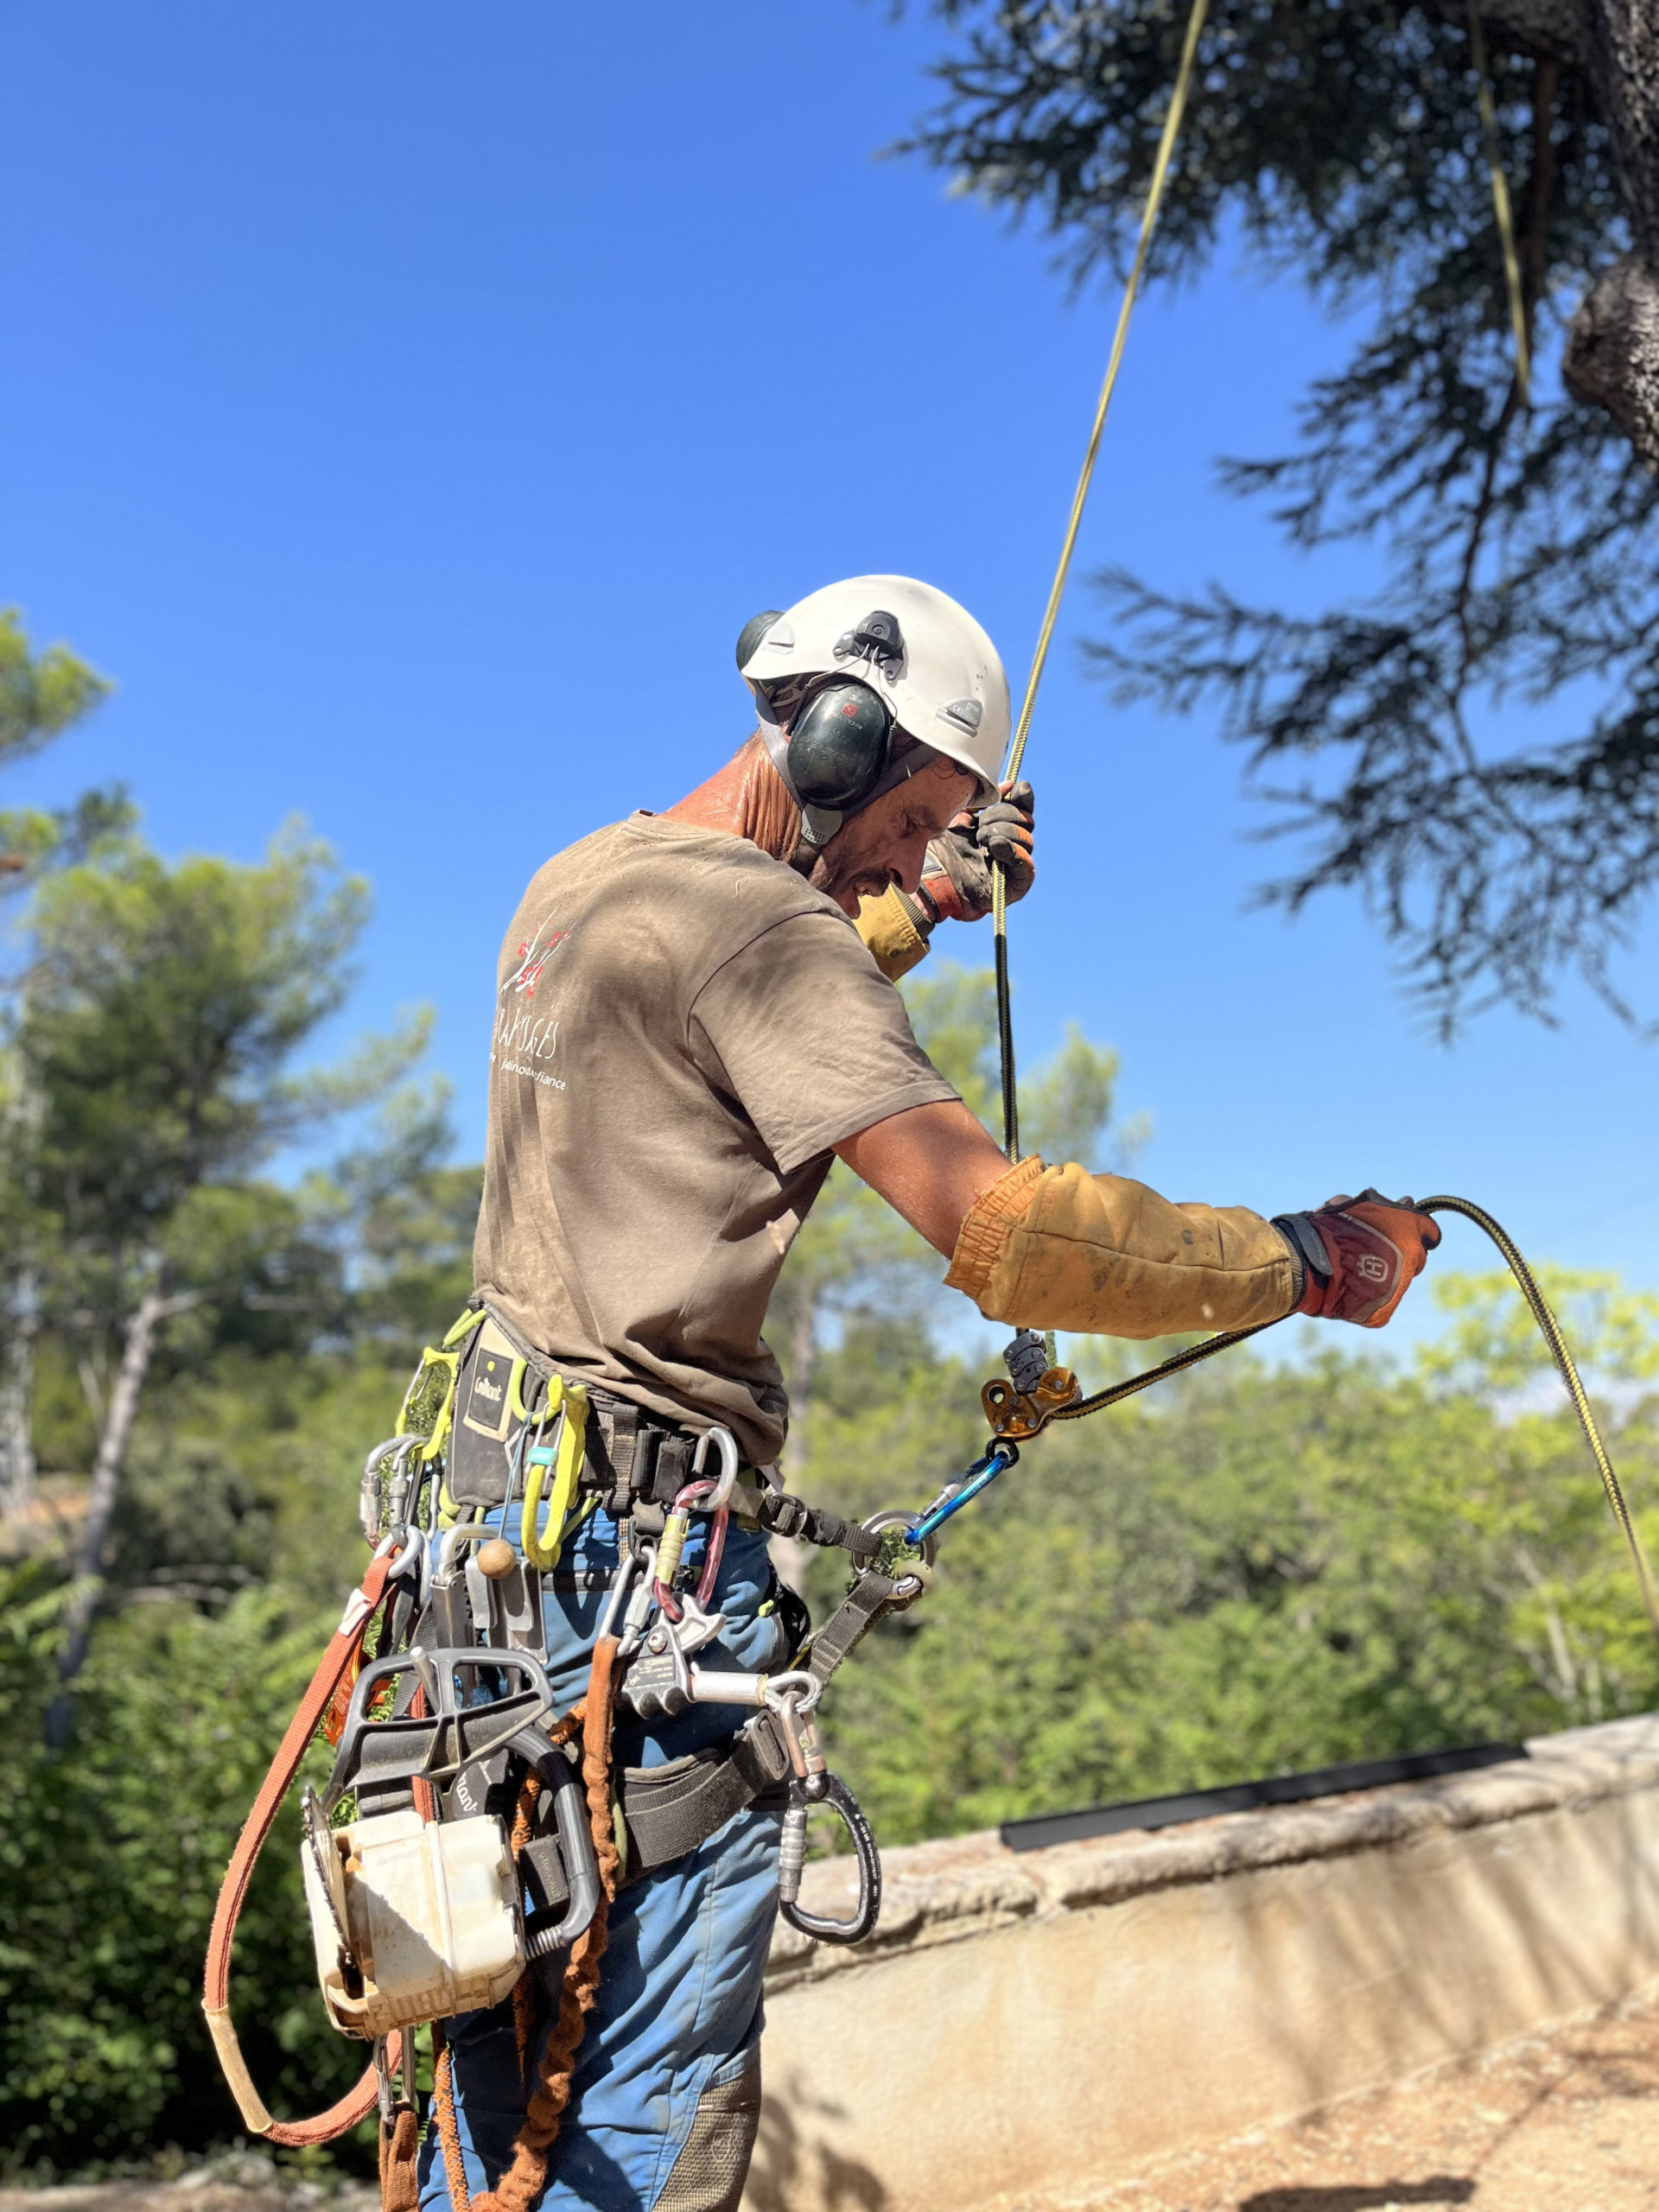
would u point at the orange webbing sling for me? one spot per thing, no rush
(332, 1669)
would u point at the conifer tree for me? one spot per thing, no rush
(1518, 520)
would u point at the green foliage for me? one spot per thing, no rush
(149, 1069)
(41, 695)
(1344, 145)
(1266, 1571)
(234, 1547)
(34, 839)
(111, 1870)
(1066, 1106)
(164, 1006)
(1494, 1345)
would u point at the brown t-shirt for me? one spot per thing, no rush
(683, 1028)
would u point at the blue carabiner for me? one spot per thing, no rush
(979, 1477)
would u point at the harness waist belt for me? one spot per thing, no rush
(669, 1810)
(632, 1457)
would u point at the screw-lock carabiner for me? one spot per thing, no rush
(827, 1790)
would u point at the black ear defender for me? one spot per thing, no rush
(749, 637)
(840, 745)
(840, 741)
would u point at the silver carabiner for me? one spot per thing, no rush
(369, 1515)
(730, 1461)
(406, 1549)
(410, 1544)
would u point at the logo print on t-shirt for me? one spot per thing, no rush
(524, 1040)
(532, 958)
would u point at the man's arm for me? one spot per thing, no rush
(930, 1163)
(1057, 1247)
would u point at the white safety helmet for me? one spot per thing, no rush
(846, 666)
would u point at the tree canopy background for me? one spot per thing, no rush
(1273, 1566)
(1517, 529)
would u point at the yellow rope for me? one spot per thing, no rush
(1549, 1328)
(1148, 222)
(1501, 205)
(1051, 612)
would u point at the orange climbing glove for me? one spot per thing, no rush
(1359, 1255)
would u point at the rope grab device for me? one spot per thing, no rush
(469, 1839)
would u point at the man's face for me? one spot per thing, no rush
(886, 843)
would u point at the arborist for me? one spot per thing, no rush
(695, 1016)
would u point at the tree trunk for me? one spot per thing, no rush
(116, 1436)
(1553, 30)
(1613, 350)
(803, 1359)
(18, 1398)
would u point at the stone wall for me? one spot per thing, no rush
(1021, 2024)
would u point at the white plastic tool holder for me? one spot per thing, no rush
(415, 1920)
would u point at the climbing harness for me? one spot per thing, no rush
(469, 1838)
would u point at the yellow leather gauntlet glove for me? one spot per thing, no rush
(890, 931)
(1057, 1247)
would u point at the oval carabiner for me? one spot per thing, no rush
(830, 1790)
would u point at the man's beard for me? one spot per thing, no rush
(841, 867)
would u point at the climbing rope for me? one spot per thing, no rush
(1045, 635)
(1505, 218)
(552, 2070)
(1550, 1329)
(1501, 207)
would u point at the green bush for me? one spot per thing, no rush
(111, 1856)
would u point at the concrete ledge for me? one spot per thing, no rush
(1022, 2022)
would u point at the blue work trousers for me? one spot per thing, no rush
(679, 2011)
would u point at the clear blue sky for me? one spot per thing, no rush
(407, 404)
